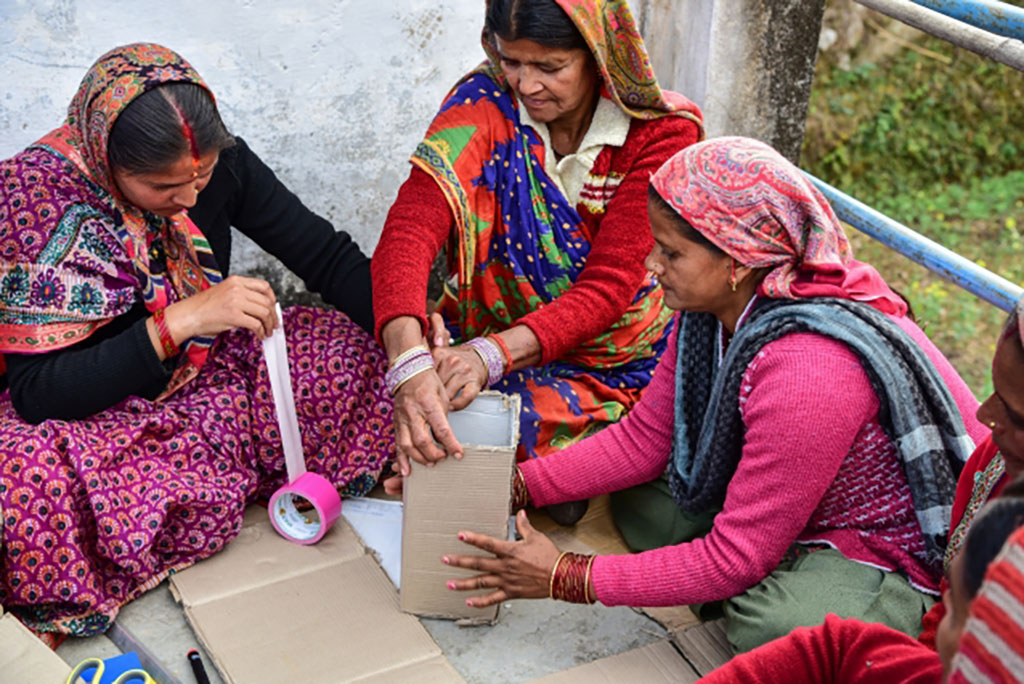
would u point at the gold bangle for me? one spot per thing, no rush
(586, 581)
(554, 570)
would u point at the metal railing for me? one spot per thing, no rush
(999, 47)
(995, 17)
(990, 29)
(943, 262)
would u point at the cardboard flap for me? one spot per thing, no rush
(338, 623)
(24, 658)
(433, 671)
(269, 610)
(657, 662)
(258, 556)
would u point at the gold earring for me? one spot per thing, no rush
(992, 425)
(732, 273)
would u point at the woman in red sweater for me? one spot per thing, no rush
(796, 399)
(534, 173)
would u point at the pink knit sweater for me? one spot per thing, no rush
(816, 466)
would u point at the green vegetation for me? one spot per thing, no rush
(934, 139)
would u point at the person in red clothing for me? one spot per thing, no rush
(534, 173)
(850, 651)
(991, 644)
(999, 458)
(797, 403)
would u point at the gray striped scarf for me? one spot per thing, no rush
(916, 408)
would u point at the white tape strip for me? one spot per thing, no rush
(276, 353)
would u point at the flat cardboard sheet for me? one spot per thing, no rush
(705, 645)
(469, 494)
(268, 610)
(651, 664)
(24, 658)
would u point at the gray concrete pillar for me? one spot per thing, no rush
(749, 64)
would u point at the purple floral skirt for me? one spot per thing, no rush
(97, 511)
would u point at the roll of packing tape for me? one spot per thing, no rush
(298, 526)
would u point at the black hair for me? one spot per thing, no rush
(1014, 489)
(682, 225)
(541, 21)
(987, 536)
(148, 136)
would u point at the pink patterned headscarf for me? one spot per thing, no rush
(761, 210)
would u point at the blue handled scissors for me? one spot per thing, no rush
(135, 676)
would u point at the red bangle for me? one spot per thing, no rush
(166, 341)
(504, 350)
(570, 578)
(520, 494)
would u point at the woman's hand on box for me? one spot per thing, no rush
(421, 416)
(439, 335)
(521, 569)
(463, 373)
(421, 403)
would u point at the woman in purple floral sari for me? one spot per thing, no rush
(138, 423)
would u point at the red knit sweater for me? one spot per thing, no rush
(837, 652)
(420, 221)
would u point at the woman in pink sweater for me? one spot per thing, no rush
(795, 398)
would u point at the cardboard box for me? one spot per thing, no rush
(473, 493)
(268, 610)
(24, 658)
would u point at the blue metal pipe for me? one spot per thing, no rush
(992, 16)
(947, 264)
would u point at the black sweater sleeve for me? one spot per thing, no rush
(328, 261)
(118, 360)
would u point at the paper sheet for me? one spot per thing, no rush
(379, 523)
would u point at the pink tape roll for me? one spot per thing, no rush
(298, 526)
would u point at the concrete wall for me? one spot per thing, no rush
(748, 63)
(333, 94)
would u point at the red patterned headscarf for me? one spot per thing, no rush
(113, 82)
(761, 210)
(622, 60)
